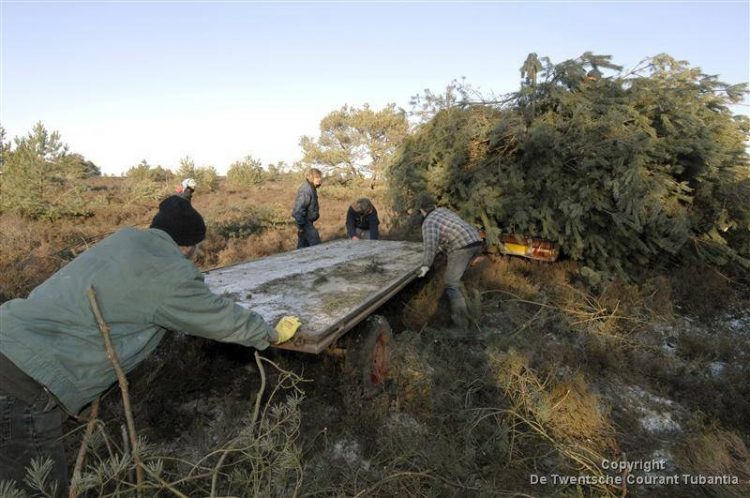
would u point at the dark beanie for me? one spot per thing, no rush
(180, 220)
(425, 201)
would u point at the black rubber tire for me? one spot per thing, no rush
(369, 354)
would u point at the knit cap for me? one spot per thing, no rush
(180, 220)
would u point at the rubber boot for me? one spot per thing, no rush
(474, 304)
(460, 314)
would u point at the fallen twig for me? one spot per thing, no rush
(165, 484)
(73, 493)
(256, 410)
(123, 381)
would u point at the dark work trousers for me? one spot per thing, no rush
(30, 427)
(458, 261)
(307, 236)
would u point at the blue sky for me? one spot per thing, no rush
(127, 81)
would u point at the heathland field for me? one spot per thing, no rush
(570, 388)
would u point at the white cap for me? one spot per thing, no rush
(188, 183)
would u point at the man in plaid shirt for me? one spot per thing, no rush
(443, 230)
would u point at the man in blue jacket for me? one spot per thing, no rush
(306, 210)
(52, 356)
(362, 220)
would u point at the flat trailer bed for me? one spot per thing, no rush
(331, 287)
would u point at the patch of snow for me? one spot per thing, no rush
(405, 422)
(716, 369)
(349, 452)
(647, 397)
(665, 458)
(669, 346)
(739, 324)
(655, 412)
(656, 422)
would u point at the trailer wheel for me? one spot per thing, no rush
(369, 354)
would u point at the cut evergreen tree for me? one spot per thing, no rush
(624, 172)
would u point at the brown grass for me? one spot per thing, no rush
(264, 244)
(422, 301)
(717, 452)
(413, 376)
(563, 414)
(565, 408)
(702, 292)
(33, 250)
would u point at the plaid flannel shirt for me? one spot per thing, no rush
(444, 230)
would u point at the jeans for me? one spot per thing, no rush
(458, 261)
(307, 235)
(29, 431)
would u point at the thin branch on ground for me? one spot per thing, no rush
(73, 493)
(122, 380)
(256, 410)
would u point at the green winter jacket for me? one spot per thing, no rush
(144, 286)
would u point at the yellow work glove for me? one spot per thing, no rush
(286, 328)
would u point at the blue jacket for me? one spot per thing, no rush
(370, 222)
(306, 208)
(144, 286)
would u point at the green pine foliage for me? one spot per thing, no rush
(207, 178)
(186, 168)
(245, 173)
(144, 172)
(356, 142)
(148, 183)
(88, 168)
(40, 178)
(624, 172)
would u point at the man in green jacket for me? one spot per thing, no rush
(52, 356)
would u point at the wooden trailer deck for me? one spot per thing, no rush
(331, 287)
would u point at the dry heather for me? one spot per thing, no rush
(717, 452)
(560, 377)
(242, 224)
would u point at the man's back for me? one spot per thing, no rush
(53, 335)
(451, 232)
